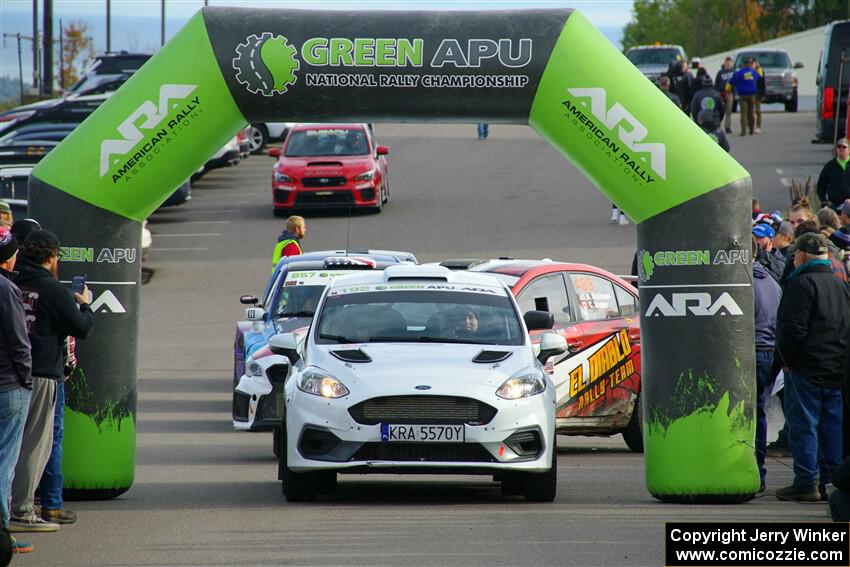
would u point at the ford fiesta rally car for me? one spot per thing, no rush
(418, 369)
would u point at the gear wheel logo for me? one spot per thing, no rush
(646, 266)
(266, 64)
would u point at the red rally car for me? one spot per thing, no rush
(598, 379)
(329, 165)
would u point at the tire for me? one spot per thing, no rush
(296, 487)
(276, 441)
(387, 192)
(326, 482)
(377, 208)
(280, 213)
(258, 138)
(791, 105)
(633, 433)
(542, 487)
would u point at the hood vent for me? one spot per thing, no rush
(352, 355)
(324, 164)
(489, 356)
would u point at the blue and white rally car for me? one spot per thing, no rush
(418, 369)
(287, 305)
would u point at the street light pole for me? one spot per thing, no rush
(35, 52)
(162, 31)
(108, 26)
(47, 50)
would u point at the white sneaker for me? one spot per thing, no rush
(757, 130)
(31, 524)
(615, 214)
(623, 220)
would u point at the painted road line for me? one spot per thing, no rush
(197, 234)
(175, 249)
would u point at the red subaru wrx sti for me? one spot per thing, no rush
(598, 379)
(329, 166)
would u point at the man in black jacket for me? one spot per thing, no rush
(720, 80)
(15, 370)
(813, 337)
(52, 314)
(708, 98)
(834, 180)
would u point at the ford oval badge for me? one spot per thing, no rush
(423, 387)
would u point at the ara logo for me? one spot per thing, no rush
(151, 116)
(699, 304)
(107, 302)
(631, 133)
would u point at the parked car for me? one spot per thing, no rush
(654, 60)
(261, 134)
(109, 71)
(598, 380)
(417, 369)
(832, 97)
(780, 80)
(288, 304)
(71, 109)
(330, 165)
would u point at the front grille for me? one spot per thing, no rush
(775, 82)
(323, 181)
(422, 409)
(424, 452)
(335, 198)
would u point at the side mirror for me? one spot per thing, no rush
(798, 65)
(274, 152)
(550, 345)
(284, 344)
(248, 300)
(382, 150)
(538, 320)
(255, 313)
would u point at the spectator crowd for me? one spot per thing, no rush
(40, 319)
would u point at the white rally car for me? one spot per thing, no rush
(418, 369)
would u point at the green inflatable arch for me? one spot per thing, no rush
(549, 69)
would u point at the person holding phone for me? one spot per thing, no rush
(52, 314)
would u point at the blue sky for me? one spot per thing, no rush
(136, 23)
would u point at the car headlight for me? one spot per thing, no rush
(282, 178)
(322, 384)
(254, 369)
(522, 385)
(366, 175)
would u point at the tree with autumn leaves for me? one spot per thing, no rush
(705, 27)
(77, 51)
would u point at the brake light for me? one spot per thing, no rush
(827, 111)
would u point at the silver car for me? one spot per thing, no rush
(780, 80)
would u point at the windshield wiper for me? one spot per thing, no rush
(297, 314)
(338, 338)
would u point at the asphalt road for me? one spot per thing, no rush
(205, 495)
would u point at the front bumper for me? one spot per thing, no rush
(323, 435)
(363, 194)
(258, 403)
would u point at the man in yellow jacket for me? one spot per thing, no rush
(289, 241)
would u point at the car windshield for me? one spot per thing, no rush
(766, 59)
(661, 56)
(397, 313)
(299, 301)
(327, 142)
(301, 290)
